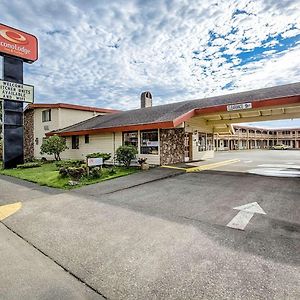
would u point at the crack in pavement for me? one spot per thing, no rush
(54, 261)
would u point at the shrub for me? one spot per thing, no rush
(125, 154)
(112, 171)
(54, 145)
(29, 165)
(69, 163)
(29, 159)
(44, 159)
(75, 173)
(95, 172)
(63, 172)
(105, 156)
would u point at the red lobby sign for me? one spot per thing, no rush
(17, 43)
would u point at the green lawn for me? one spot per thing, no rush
(48, 175)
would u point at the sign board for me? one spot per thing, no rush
(93, 162)
(16, 91)
(17, 43)
(152, 143)
(240, 106)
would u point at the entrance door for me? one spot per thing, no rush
(188, 147)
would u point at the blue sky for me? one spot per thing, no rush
(105, 53)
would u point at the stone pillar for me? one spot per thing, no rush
(172, 146)
(29, 134)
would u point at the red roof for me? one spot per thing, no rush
(70, 106)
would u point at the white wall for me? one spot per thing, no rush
(104, 142)
(195, 125)
(60, 118)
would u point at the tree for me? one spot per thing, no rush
(125, 154)
(54, 145)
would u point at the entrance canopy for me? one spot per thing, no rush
(221, 118)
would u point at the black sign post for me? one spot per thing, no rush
(13, 152)
(16, 47)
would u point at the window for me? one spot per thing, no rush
(149, 142)
(86, 139)
(75, 142)
(46, 115)
(130, 138)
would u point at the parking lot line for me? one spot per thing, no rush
(212, 166)
(173, 167)
(9, 209)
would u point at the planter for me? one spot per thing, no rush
(145, 166)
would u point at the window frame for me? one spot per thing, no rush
(128, 142)
(152, 148)
(46, 117)
(75, 142)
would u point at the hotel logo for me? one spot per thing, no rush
(18, 43)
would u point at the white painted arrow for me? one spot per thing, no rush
(245, 214)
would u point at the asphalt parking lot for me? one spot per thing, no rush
(168, 238)
(280, 163)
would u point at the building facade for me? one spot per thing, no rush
(39, 119)
(183, 131)
(246, 137)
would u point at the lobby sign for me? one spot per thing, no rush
(17, 43)
(240, 106)
(93, 162)
(16, 91)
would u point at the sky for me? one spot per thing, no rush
(105, 53)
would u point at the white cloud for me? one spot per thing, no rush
(105, 53)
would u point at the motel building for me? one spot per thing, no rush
(40, 119)
(247, 137)
(171, 133)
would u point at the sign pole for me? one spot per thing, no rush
(13, 148)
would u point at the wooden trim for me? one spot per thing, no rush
(184, 117)
(255, 104)
(70, 106)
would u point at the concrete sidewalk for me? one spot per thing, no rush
(28, 274)
(121, 183)
(18, 190)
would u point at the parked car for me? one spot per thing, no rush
(280, 147)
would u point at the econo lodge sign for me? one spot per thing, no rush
(17, 43)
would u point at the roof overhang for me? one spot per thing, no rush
(70, 106)
(264, 110)
(217, 117)
(133, 127)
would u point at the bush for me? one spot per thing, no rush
(44, 159)
(29, 165)
(69, 163)
(112, 171)
(75, 173)
(105, 156)
(95, 172)
(29, 159)
(63, 172)
(125, 154)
